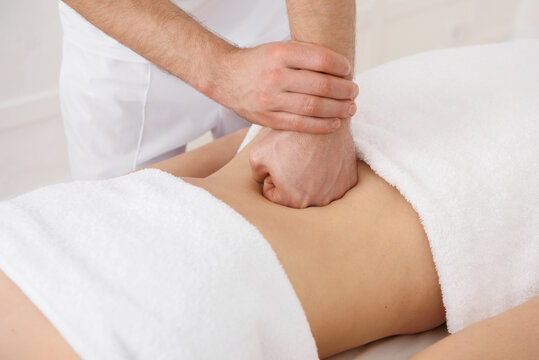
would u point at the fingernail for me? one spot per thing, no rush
(356, 91)
(352, 110)
(336, 124)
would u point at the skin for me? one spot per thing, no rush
(297, 169)
(245, 80)
(513, 334)
(297, 86)
(318, 248)
(361, 268)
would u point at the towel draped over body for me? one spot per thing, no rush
(147, 266)
(457, 132)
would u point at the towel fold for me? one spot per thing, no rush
(147, 266)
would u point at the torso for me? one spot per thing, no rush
(360, 266)
(352, 263)
(24, 332)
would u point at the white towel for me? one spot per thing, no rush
(456, 131)
(147, 266)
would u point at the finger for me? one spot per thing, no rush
(272, 193)
(268, 185)
(316, 58)
(281, 120)
(275, 195)
(314, 83)
(314, 106)
(259, 170)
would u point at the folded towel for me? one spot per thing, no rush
(147, 266)
(456, 131)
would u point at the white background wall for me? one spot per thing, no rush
(32, 146)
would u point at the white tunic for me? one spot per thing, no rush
(121, 112)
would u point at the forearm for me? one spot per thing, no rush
(162, 33)
(513, 334)
(330, 23)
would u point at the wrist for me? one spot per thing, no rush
(340, 136)
(345, 125)
(218, 73)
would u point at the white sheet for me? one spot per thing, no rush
(394, 348)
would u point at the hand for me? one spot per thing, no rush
(288, 86)
(300, 170)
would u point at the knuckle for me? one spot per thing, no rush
(324, 60)
(274, 121)
(323, 86)
(326, 200)
(301, 200)
(272, 78)
(311, 106)
(255, 157)
(264, 99)
(295, 123)
(296, 204)
(305, 202)
(261, 120)
(260, 117)
(294, 200)
(278, 50)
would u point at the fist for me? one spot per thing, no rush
(300, 170)
(289, 86)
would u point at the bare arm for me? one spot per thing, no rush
(162, 33)
(301, 170)
(330, 23)
(513, 334)
(205, 160)
(241, 79)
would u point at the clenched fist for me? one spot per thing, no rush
(300, 170)
(288, 86)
